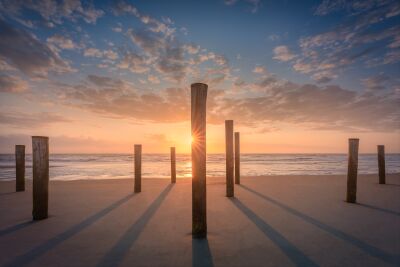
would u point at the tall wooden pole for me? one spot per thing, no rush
(138, 168)
(352, 170)
(229, 157)
(19, 168)
(237, 158)
(40, 170)
(381, 164)
(198, 121)
(173, 165)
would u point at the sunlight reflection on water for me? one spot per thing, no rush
(72, 167)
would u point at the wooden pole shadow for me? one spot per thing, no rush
(118, 252)
(201, 254)
(365, 247)
(290, 250)
(41, 249)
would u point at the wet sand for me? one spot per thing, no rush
(272, 221)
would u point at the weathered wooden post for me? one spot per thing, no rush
(173, 165)
(381, 164)
(19, 168)
(198, 121)
(40, 171)
(237, 158)
(352, 170)
(229, 157)
(138, 168)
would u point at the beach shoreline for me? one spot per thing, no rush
(271, 221)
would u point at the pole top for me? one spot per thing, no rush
(40, 137)
(199, 85)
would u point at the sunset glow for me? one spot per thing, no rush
(100, 77)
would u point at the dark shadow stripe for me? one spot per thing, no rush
(117, 253)
(367, 248)
(53, 242)
(201, 254)
(379, 209)
(16, 227)
(291, 251)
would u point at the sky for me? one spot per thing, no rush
(295, 76)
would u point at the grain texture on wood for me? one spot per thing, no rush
(229, 157)
(381, 164)
(19, 168)
(173, 165)
(198, 123)
(40, 172)
(352, 171)
(138, 168)
(237, 158)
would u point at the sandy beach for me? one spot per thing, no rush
(272, 221)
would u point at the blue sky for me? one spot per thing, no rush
(320, 66)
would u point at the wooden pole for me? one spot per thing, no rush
(138, 168)
(237, 158)
(381, 164)
(229, 158)
(352, 170)
(173, 165)
(198, 121)
(40, 170)
(19, 168)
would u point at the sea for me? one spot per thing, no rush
(121, 166)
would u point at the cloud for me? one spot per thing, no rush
(282, 53)
(330, 107)
(153, 24)
(53, 12)
(25, 52)
(12, 84)
(359, 38)
(259, 69)
(153, 79)
(377, 82)
(94, 52)
(117, 29)
(61, 42)
(275, 101)
(134, 62)
(355, 6)
(191, 48)
(30, 120)
(117, 98)
(323, 76)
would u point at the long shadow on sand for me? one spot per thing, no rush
(16, 227)
(117, 253)
(379, 209)
(201, 254)
(53, 242)
(367, 248)
(291, 251)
